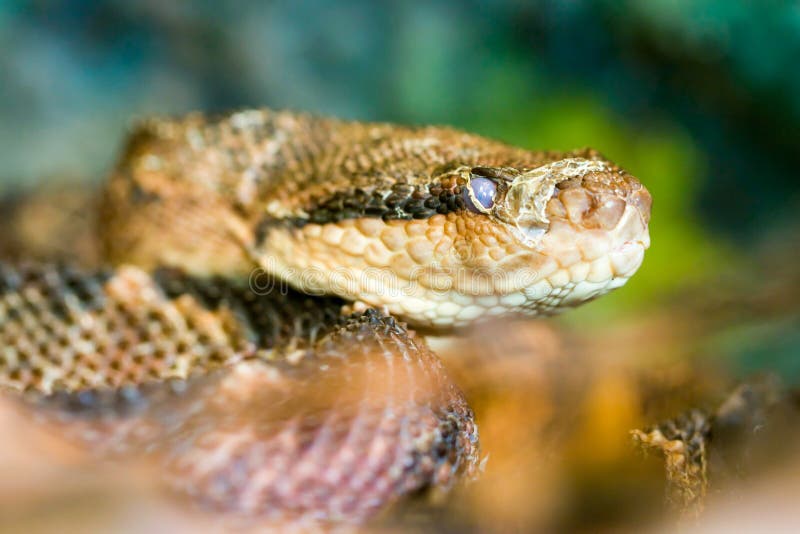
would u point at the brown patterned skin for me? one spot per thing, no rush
(256, 167)
(271, 407)
(375, 213)
(272, 403)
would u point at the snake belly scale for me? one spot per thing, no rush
(251, 327)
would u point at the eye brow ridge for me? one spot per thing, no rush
(497, 173)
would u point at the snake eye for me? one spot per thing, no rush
(482, 194)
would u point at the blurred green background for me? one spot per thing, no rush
(698, 98)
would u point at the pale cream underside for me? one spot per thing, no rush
(421, 271)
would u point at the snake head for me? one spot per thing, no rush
(496, 240)
(436, 226)
(561, 233)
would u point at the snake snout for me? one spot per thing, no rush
(598, 228)
(611, 201)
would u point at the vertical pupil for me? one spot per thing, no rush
(483, 190)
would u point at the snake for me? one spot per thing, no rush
(255, 327)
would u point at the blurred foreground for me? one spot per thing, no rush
(556, 402)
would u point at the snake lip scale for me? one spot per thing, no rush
(316, 403)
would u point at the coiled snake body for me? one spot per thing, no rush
(249, 328)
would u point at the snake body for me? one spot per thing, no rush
(246, 333)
